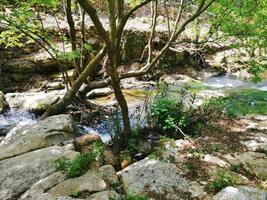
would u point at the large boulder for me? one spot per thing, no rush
(51, 131)
(88, 183)
(176, 79)
(94, 181)
(91, 185)
(21, 172)
(43, 185)
(105, 195)
(159, 180)
(253, 161)
(36, 102)
(3, 103)
(241, 193)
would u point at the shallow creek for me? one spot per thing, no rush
(135, 97)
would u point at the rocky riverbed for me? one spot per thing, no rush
(28, 172)
(179, 169)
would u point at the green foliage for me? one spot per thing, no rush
(214, 147)
(198, 154)
(246, 21)
(112, 124)
(216, 105)
(224, 179)
(236, 168)
(194, 87)
(257, 69)
(78, 166)
(76, 193)
(192, 169)
(68, 56)
(241, 169)
(239, 103)
(132, 197)
(134, 140)
(168, 112)
(135, 197)
(62, 164)
(98, 149)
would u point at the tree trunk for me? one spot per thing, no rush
(72, 32)
(66, 100)
(113, 54)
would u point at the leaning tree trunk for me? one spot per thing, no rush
(58, 107)
(113, 54)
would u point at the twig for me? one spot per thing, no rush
(186, 136)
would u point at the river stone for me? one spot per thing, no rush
(43, 185)
(257, 162)
(241, 193)
(47, 196)
(176, 79)
(215, 161)
(51, 131)
(90, 182)
(108, 173)
(21, 172)
(3, 103)
(36, 102)
(160, 180)
(253, 161)
(256, 141)
(105, 195)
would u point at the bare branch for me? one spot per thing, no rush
(130, 12)
(154, 10)
(178, 18)
(91, 11)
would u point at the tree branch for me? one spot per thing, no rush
(91, 11)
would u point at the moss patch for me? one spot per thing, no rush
(247, 101)
(195, 86)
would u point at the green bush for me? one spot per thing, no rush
(215, 105)
(78, 166)
(168, 111)
(239, 103)
(136, 197)
(98, 149)
(133, 197)
(224, 179)
(134, 140)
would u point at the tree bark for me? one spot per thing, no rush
(70, 94)
(113, 53)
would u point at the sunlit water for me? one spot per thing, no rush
(15, 117)
(230, 82)
(135, 98)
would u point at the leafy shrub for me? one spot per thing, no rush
(133, 197)
(98, 149)
(222, 180)
(168, 112)
(192, 169)
(134, 140)
(238, 103)
(78, 166)
(215, 105)
(113, 124)
(136, 197)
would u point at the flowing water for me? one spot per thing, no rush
(134, 98)
(15, 117)
(230, 82)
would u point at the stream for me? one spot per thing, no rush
(19, 117)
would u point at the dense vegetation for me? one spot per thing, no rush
(244, 20)
(181, 120)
